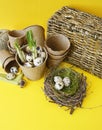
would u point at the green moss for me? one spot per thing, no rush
(74, 77)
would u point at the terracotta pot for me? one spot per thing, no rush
(38, 33)
(33, 73)
(7, 60)
(57, 44)
(16, 35)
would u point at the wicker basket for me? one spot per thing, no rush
(85, 33)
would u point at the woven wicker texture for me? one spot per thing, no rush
(85, 33)
(71, 96)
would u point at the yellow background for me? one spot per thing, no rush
(27, 108)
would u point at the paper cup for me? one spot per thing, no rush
(7, 60)
(57, 44)
(33, 73)
(16, 35)
(38, 34)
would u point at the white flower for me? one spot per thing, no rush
(29, 58)
(14, 70)
(59, 85)
(10, 76)
(28, 64)
(57, 79)
(66, 81)
(38, 61)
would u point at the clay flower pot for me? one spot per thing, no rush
(16, 35)
(7, 60)
(57, 44)
(38, 34)
(33, 73)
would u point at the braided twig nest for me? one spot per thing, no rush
(71, 96)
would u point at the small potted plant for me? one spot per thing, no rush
(31, 58)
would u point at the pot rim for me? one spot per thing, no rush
(16, 57)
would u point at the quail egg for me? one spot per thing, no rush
(14, 70)
(38, 61)
(66, 81)
(57, 79)
(39, 49)
(59, 85)
(29, 58)
(28, 64)
(10, 76)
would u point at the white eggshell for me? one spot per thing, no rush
(57, 79)
(59, 85)
(14, 70)
(10, 76)
(66, 81)
(29, 58)
(38, 61)
(27, 64)
(39, 49)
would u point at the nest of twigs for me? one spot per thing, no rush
(71, 96)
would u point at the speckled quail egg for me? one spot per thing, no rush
(29, 58)
(14, 70)
(59, 85)
(57, 79)
(66, 81)
(38, 61)
(28, 64)
(39, 49)
(10, 76)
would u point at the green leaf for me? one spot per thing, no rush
(31, 43)
(19, 52)
(13, 81)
